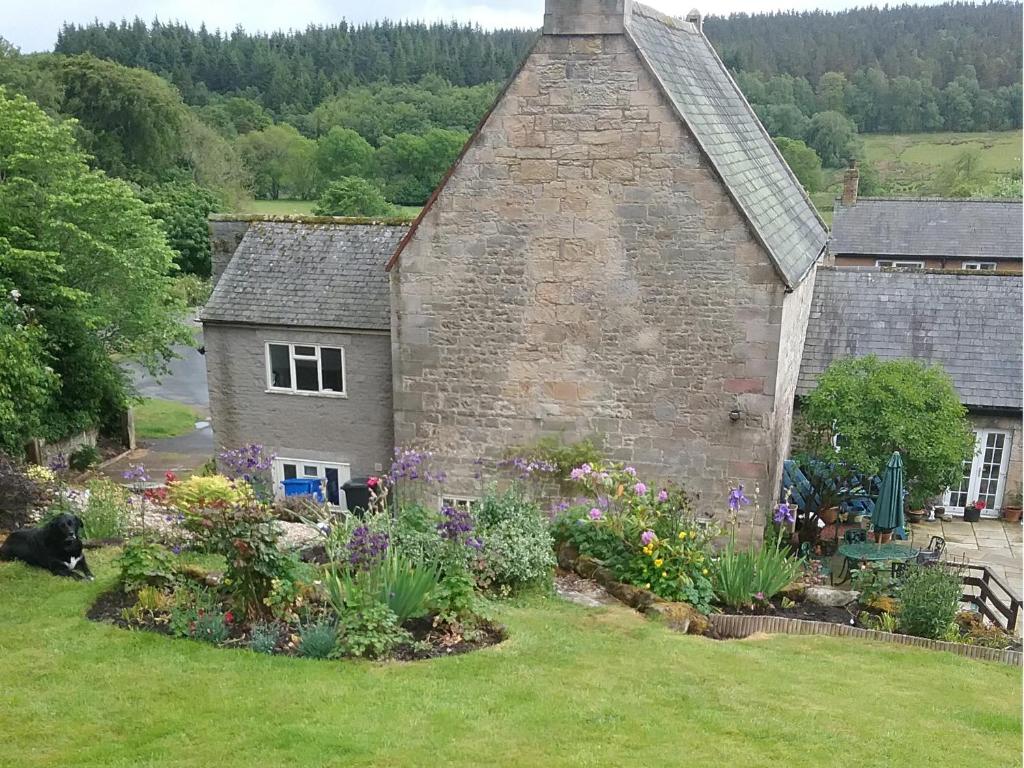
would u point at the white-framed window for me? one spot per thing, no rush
(461, 503)
(984, 473)
(894, 264)
(980, 265)
(332, 475)
(305, 369)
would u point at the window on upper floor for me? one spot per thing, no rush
(305, 369)
(893, 264)
(979, 265)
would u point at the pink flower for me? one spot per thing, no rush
(372, 482)
(759, 596)
(647, 537)
(595, 514)
(662, 495)
(630, 471)
(640, 489)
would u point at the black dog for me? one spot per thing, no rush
(55, 546)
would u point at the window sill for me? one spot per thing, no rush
(302, 393)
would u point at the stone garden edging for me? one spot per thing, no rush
(740, 626)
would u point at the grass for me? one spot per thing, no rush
(570, 687)
(163, 418)
(304, 207)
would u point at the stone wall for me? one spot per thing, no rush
(584, 272)
(1015, 426)
(357, 429)
(225, 235)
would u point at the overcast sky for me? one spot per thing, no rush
(32, 25)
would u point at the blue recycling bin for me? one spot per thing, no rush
(303, 486)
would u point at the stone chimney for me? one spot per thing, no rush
(696, 19)
(585, 17)
(851, 180)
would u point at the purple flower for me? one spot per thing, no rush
(759, 596)
(456, 526)
(59, 462)
(176, 549)
(647, 537)
(324, 528)
(736, 498)
(602, 502)
(662, 495)
(135, 473)
(366, 549)
(640, 489)
(595, 514)
(246, 461)
(576, 474)
(785, 513)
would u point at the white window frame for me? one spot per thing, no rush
(981, 266)
(461, 503)
(344, 474)
(293, 390)
(977, 461)
(897, 264)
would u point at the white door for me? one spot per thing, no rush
(984, 474)
(332, 476)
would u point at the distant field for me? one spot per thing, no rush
(917, 152)
(303, 207)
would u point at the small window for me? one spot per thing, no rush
(893, 264)
(289, 471)
(979, 265)
(461, 503)
(305, 368)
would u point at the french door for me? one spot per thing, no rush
(332, 476)
(984, 473)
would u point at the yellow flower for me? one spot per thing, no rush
(705, 571)
(682, 534)
(658, 562)
(664, 573)
(647, 585)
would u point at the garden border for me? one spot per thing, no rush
(733, 626)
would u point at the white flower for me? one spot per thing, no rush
(15, 294)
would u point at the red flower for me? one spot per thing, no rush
(229, 617)
(170, 477)
(372, 482)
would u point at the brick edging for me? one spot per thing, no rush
(736, 627)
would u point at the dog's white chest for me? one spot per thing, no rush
(72, 562)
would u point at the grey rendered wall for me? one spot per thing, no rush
(225, 235)
(357, 430)
(1015, 426)
(585, 272)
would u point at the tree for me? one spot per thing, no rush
(783, 120)
(90, 268)
(28, 382)
(279, 159)
(877, 407)
(803, 161)
(963, 177)
(353, 196)
(413, 165)
(833, 137)
(343, 152)
(182, 208)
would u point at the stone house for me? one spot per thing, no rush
(967, 322)
(619, 251)
(298, 351)
(925, 233)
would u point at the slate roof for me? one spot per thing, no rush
(960, 229)
(970, 323)
(725, 126)
(317, 273)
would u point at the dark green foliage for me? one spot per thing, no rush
(318, 640)
(803, 161)
(343, 152)
(83, 458)
(929, 599)
(833, 137)
(352, 196)
(517, 547)
(412, 166)
(18, 493)
(144, 563)
(370, 630)
(182, 208)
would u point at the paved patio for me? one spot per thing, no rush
(987, 542)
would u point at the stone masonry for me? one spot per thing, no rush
(585, 272)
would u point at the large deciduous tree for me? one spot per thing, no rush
(89, 270)
(876, 407)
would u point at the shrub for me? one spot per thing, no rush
(353, 196)
(144, 563)
(564, 457)
(195, 613)
(929, 599)
(83, 458)
(391, 580)
(107, 511)
(264, 636)
(370, 630)
(318, 640)
(196, 493)
(517, 547)
(755, 574)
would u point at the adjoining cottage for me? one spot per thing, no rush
(619, 251)
(926, 233)
(298, 350)
(970, 324)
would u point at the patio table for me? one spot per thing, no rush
(869, 551)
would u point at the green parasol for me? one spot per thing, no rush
(888, 512)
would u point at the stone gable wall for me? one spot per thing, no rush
(585, 272)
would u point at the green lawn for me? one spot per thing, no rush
(893, 153)
(163, 418)
(303, 207)
(571, 686)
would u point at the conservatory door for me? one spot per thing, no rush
(984, 474)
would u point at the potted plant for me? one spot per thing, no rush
(916, 515)
(940, 513)
(972, 512)
(1012, 507)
